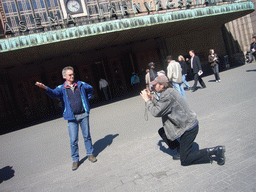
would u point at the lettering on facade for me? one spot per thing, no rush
(53, 22)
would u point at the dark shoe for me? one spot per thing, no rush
(75, 165)
(203, 87)
(219, 153)
(92, 158)
(193, 90)
(176, 157)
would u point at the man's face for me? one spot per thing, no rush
(70, 76)
(158, 87)
(253, 39)
(191, 53)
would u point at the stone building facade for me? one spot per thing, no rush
(109, 39)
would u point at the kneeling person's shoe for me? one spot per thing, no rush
(219, 153)
(92, 158)
(75, 165)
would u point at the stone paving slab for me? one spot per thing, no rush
(131, 155)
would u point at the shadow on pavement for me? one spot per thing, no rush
(212, 81)
(6, 173)
(253, 70)
(101, 144)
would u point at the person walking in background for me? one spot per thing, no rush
(179, 121)
(253, 47)
(213, 61)
(195, 64)
(75, 95)
(147, 79)
(103, 84)
(174, 75)
(184, 68)
(135, 81)
(152, 71)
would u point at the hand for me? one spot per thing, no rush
(144, 94)
(41, 85)
(187, 59)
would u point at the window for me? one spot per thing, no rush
(6, 8)
(20, 6)
(14, 7)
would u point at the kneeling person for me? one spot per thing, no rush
(179, 121)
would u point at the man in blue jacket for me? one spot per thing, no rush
(75, 95)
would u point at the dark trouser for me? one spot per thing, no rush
(254, 54)
(215, 70)
(198, 78)
(187, 157)
(105, 91)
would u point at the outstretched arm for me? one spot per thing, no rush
(41, 85)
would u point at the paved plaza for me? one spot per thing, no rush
(131, 155)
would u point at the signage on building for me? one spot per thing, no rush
(73, 9)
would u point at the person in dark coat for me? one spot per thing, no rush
(184, 68)
(253, 47)
(213, 61)
(195, 64)
(152, 71)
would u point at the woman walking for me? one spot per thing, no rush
(213, 61)
(184, 68)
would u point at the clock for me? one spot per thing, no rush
(74, 6)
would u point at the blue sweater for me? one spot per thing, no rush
(86, 92)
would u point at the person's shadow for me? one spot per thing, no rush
(252, 70)
(167, 150)
(213, 81)
(101, 144)
(6, 173)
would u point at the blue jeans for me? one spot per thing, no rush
(179, 88)
(185, 81)
(73, 128)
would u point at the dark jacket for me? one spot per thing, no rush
(184, 67)
(86, 92)
(253, 46)
(175, 112)
(152, 74)
(211, 58)
(196, 64)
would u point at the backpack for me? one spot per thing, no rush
(136, 79)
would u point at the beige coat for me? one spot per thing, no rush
(174, 72)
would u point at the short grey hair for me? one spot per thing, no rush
(67, 68)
